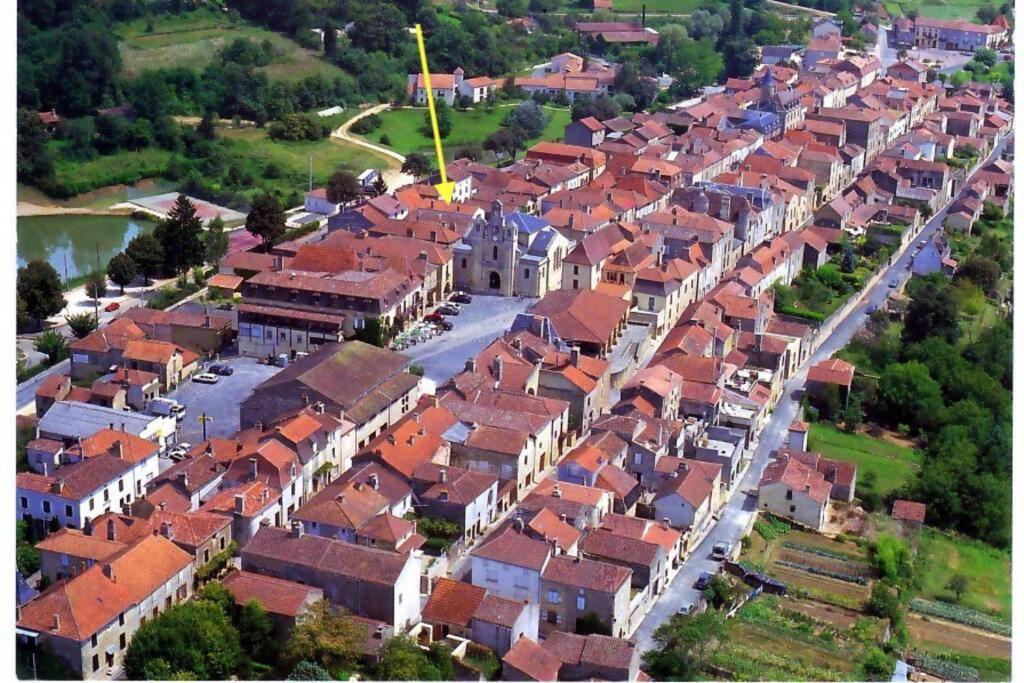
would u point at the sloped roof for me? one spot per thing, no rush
(277, 596)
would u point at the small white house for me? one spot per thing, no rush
(510, 565)
(316, 201)
(792, 490)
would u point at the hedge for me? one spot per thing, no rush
(798, 312)
(947, 670)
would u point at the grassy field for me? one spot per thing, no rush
(941, 556)
(937, 9)
(193, 39)
(667, 6)
(404, 127)
(254, 147)
(123, 167)
(893, 465)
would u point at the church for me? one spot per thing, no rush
(512, 254)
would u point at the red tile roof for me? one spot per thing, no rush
(533, 660)
(832, 371)
(515, 548)
(909, 511)
(600, 577)
(277, 596)
(453, 602)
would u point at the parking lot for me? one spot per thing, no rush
(219, 401)
(479, 323)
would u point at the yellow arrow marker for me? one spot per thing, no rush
(445, 189)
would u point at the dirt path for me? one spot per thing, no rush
(392, 176)
(837, 616)
(29, 209)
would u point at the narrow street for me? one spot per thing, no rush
(736, 514)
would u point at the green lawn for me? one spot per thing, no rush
(942, 555)
(124, 167)
(405, 128)
(937, 9)
(192, 40)
(254, 148)
(892, 464)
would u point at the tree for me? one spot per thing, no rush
(528, 117)
(982, 271)
(932, 313)
(591, 622)
(35, 162)
(215, 240)
(958, 585)
(256, 632)
(122, 269)
(147, 253)
(893, 559)
(81, 324)
(417, 165)
(512, 8)
(444, 119)
(193, 639)
(343, 187)
(308, 671)
(719, 593)
(330, 39)
(207, 128)
(907, 394)
(849, 262)
(682, 643)
(266, 219)
(180, 235)
(379, 186)
(40, 288)
(705, 24)
(987, 13)
(53, 344)
(740, 56)
(508, 141)
(327, 638)
(401, 659)
(878, 666)
(96, 285)
(700, 65)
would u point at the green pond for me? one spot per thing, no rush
(70, 242)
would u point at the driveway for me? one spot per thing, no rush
(479, 323)
(219, 401)
(736, 514)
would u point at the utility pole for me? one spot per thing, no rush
(310, 172)
(96, 299)
(203, 419)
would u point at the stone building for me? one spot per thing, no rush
(511, 255)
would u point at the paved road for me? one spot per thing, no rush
(737, 512)
(479, 323)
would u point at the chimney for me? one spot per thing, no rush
(297, 529)
(305, 399)
(374, 481)
(122, 427)
(517, 525)
(258, 425)
(255, 467)
(496, 367)
(471, 365)
(117, 450)
(58, 485)
(108, 571)
(562, 518)
(664, 523)
(111, 530)
(556, 492)
(56, 621)
(442, 475)
(183, 478)
(167, 530)
(278, 263)
(319, 408)
(574, 356)
(239, 504)
(161, 505)
(392, 439)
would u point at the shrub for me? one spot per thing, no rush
(770, 527)
(367, 124)
(947, 670)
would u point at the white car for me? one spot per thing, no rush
(206, 378)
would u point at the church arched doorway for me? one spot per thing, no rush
(495, 281)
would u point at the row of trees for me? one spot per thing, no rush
(213, 637)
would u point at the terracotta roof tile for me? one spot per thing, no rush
(512, 547)
(452, 602)
(532, 660)
(909, 511)
(277, 596)
(591, 575)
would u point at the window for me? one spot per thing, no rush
(554, 617)
(106, 495)
(122, 641)
(638, 458)
(222, 540)
(494, 253)
(399, 598)
(120, 484)
(581, 602)
(24, 502)
(95, 640)
(68, 511)
(526, 273)
(46, 506)
(206, 555)
(650, 303)
(95, 662)
(463, 262)
(120, 619)
(789, 494)
(554, 597)
(575, 270)
(792, 508)
(575, 284)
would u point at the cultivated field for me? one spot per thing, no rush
(942, 555)
(193, 40)
(937, 9)
(932, 634)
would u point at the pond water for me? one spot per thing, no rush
(70, 242)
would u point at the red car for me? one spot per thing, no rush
(434, 318)
(112, 306)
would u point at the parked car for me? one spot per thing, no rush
(703, 580)
(893, 284)
(434, 317)
(686, 608)
(871, 309)
(720, 551)
(222, 370)
(445, 325)
(462, 298)
(206, 378)
(448, 309)
(111, 307)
